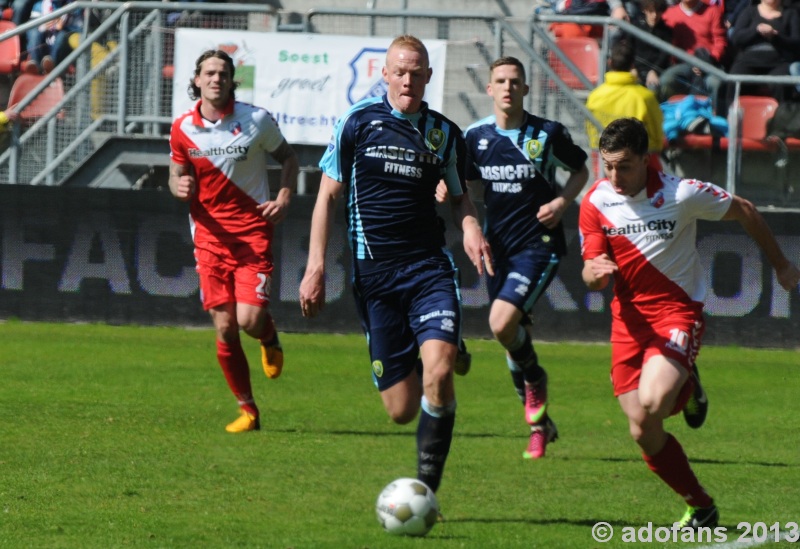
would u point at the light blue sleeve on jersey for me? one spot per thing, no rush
(331, 161)
(338, 159)
(451, 179)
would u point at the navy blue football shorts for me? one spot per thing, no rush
(403, 306)
(522, 279)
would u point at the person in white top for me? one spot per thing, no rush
(639, 226)
(218, 152)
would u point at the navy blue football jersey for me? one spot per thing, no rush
(390, 164)
(518, 169)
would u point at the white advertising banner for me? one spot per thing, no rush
(305, 80)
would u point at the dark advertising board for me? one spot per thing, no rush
(125, 257)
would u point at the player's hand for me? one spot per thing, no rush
(186, 188)
(620, 13)
(788, 277)
(478, 250)
(550, 214)
(602, 266)
(312, 293)
(274, 210)
(441, 193)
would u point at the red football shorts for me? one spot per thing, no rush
(676, 336)
(238, 272)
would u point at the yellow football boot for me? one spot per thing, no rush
(245, 422)
(272, 358)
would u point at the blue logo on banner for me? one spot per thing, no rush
(367, 76)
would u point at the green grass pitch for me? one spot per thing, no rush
(114, 437)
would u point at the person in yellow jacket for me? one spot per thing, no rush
(7, 117)
(621, 96)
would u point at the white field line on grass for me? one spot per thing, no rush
(782, 536)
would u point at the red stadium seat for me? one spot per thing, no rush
(584, 53)
(756, 111)
(43, 103)
(9, 50)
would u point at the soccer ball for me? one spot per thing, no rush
(407, 507)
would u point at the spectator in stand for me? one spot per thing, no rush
(731, 11)
(21, 13)
(51, 38)
(618, 9)
(7, 117)
(651, 61)
(767, 38)
(697, 29)
(621, 96)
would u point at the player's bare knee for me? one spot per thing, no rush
(503, 328)
(655, 406)
(403, 415)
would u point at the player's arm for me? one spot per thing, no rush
(276, 210)
(312, 288)
(550, 214)
(476, 246)
(598, 271)
(182, 184)
(748, 216)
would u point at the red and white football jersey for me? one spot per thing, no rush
(652, 238)
(229, 161)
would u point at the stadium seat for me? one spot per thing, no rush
(584, 52)
(9, 50)
(43, 103)
(756, 111)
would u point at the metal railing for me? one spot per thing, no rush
(116, 85)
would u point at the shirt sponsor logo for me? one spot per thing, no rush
(508, 172)
(237, 151)
(507, 187)
(655, 225)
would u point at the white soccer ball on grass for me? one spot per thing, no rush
(407, 506)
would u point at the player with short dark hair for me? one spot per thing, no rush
(640, 226)
(512, 157)
(219, 165)
(387, 155)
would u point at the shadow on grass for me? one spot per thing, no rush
(528, 520)
(633, 459)
(695, 460)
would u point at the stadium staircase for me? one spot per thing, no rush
(114, 132)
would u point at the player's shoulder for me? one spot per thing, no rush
(181, 118)
(599, 186)
(482, 125)
(686, 188)
(368, 105)
(551, 127)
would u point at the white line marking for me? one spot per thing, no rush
(782, 536)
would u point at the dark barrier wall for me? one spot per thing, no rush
(126, 257)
